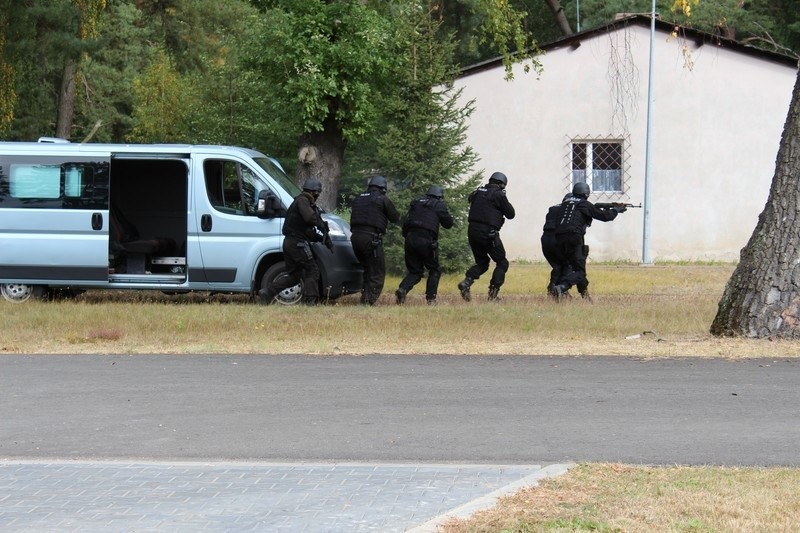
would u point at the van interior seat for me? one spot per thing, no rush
(123, 236)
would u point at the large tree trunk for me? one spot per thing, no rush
(66, 100)
(561, 18)
(320, 156)
(762, 298)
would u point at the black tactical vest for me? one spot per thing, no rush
(483, 208)
(368, 211)
(569, 219)
(294, 225)
(422, 215)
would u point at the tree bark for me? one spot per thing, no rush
(320, 156)
(66, 100)
(762, 298)
(561, 18)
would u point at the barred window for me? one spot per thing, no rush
(599, 164)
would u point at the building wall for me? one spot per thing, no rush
(716, 132)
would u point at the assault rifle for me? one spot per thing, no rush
(610, 205)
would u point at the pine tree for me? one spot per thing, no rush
(422, 142)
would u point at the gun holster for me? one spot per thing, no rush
(494, 236)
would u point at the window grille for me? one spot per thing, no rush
(600, 162)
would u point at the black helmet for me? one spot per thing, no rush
(581, 189)
(313, 185)
(499, 177)
(436, 191)
(377, 181)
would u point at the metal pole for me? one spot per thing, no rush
(578, 2)
(648, 157)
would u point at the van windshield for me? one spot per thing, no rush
(277, 173)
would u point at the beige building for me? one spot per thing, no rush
(717, 116)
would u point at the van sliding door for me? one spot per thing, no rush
(54, 219)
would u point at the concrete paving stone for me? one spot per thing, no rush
(37, 496)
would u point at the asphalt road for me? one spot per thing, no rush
(409, 409)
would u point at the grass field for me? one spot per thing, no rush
(636, 311)
(654, 311)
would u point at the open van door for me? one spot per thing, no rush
(53, 220)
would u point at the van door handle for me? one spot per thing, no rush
(205, 223)
(97, 221)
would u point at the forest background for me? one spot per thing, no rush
(335, 89)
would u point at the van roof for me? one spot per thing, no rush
(54, 145)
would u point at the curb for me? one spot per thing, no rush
(484, 502)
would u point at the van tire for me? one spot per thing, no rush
(290, 296)
(21, 292)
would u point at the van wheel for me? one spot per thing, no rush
(21, 292)
(290, 296)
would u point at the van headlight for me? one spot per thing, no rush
(338, 229)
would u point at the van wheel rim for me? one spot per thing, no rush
(290, 295)
(16, 292)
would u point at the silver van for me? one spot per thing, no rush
(174, 218)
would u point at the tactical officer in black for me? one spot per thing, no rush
(421, 230)
(574, 215)
(489, 207)
(371, 213)
(559, 266)
(303, 226)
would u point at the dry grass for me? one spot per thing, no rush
(613, 497)
(637, 311)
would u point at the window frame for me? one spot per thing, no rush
(590, 170)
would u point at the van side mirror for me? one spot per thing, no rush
(268, 204)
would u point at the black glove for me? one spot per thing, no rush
(313, 235)
(328, 243)
(620, 208)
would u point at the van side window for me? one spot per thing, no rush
(232, 187)
(53, 183)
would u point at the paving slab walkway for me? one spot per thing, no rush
(63, 496)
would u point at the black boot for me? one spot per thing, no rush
(400, 296)
(560, 293)
(494, 293)
(266, 296)
(464, 288)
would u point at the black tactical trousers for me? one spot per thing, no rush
(571, 245)
(559, 266)
(368, 248)
(300, 265)
(421, 253)
(486, 246)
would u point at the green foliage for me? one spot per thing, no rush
(162, 103)
(325, 60)
(41, 35)
(304, 61)
(423, 134)
(484, 29)
(765, 23)
(8, 95)
(122, 55)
